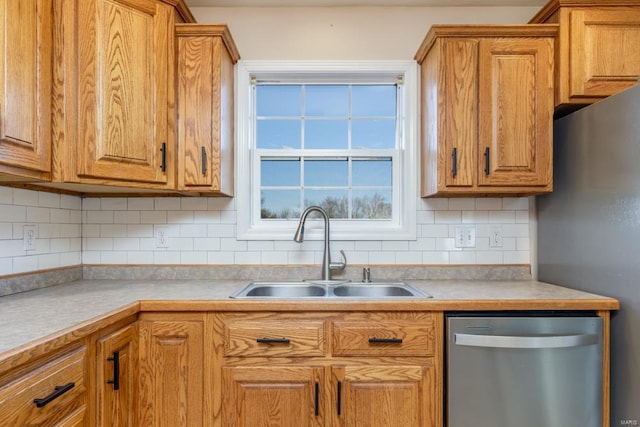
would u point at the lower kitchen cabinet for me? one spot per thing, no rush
(171, 375)
(117, 374)
(52, 393)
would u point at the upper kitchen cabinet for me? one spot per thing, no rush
(487, 109)
(26, 33)
(597, 48)
(206, 56)
(114, 95)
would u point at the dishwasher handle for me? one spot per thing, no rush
(532, 342)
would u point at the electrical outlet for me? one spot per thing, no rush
(495, 236)
(465, 237)
(29, 235)
(162, 237)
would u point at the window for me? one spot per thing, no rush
(337, 135)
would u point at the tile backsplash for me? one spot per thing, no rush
(201, 231)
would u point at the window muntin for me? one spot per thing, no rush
(315, 146)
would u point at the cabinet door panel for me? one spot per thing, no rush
(273, 396)
(516, 112)
(25, 83)
(123, 113)
(603, 51)
(383, 396)
(171, 373)
(117, 407)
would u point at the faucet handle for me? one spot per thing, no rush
(339, 265)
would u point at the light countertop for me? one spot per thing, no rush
(49, 312)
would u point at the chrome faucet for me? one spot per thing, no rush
(327, 265)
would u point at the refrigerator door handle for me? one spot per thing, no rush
(533, 342)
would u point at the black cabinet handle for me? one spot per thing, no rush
(454, 162)
(116, 370)
(58, 391)
(374, 340)
(203, 158)
(487, 155)
(317, 399)
(339, 398)
(163, 151)
(273, 340)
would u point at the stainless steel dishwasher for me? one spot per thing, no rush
(524, 371)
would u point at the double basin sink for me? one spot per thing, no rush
(319, 290)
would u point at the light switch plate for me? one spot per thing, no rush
(465, 237)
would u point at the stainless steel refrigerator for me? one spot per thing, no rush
(589, 228)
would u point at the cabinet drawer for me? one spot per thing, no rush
(383, 338)
(274, 338)
(58, 384)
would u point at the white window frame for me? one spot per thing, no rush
(403, 226)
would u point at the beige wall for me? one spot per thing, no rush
(345, 33)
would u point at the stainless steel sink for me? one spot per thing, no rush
(341, 290)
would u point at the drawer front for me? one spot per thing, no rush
(274, 338)
(383, 338)
(60, 387)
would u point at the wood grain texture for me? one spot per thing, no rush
(205, 108)
(16, 398)
(117, 407)
(171, 373)
(26, 77)
(352, 338)
(306, 338)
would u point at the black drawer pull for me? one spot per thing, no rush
(454, 162)
(116, 370)
(203, 160)
(374, 340)
(163, 157)
(273, 340)
(317, 399)
(487, 161)
(339, 398)
(59, 391)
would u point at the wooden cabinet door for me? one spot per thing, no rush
(26, 77)
(124, 60)
(283, 396)
(171, 373)
(384, 396)
(603, 51)
(117, 356)
(515, 135)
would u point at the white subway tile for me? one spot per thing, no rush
(448, 217)
(489, 257)
(488, 204)
(247, 258)
(126, 244)
(425, 217)
(515, 203)
(409, 258)
(228, 217)
(10, 248)
(38, 215)
(221, 230)
(70, 230)
(286, 245)
(113, 257)
(99, 217)
(139, 230)
(139, 257)
(387, 257)
(523, 244)
(273, 258)
(11, 213)
(153, 217)
(48, 200)
(6, 230)
(475, 217)
(148, 244)
(70, 258)
(435, 257)
(206, 217)
(75, 217)
(482, 244)
(166, 257)
(515, 230)
(47, 261)
(140, 204)
(261, 246)
(6, 266)
(446, 244)
(301, 257)
(193, 258)
(60, 216)
(436, 204)
(220, 204)
(24, 197)
(462, 204)
(193, 204)
(508, 243)
(368, 245)
(90, 257)
(516, 257)
(113, 204)
(463, 257)
(434, 230)
(395, 245)
(220, 258)
(522, 217)
(113, 230)
(60, 245)
(167, 204)
(231, 244)
(70, 202)
(193, 230)
(90, 230)
(502, 217)
(23, 264)
(91, 204)
(98, 244)
(181, 243)
(423, 244)
(75, 244)
(356, 257)
(126, 217)
(206, 244)
(180, 217)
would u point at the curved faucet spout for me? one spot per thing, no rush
(327, 265)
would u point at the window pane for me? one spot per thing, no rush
(326, 134)
(371, 204)
(326, 101)
(372, 173)
(278, 134)
(334, 202)
(280, 173)
(373, 134)
(373, 101)
(326, 173)
(278, 101)
(280, 204)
